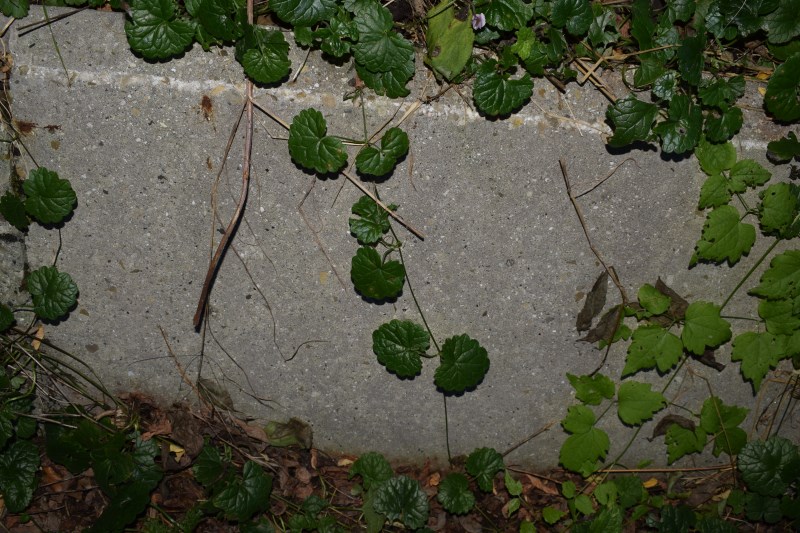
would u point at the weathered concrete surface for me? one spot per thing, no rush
(504, 258)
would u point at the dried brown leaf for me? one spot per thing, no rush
(667, 420)
(708, 359)
(595, 301)
(678, 306)
(605, 329)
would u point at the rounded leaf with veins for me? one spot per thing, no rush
(399, 345)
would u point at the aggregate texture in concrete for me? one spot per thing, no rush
(504, 257)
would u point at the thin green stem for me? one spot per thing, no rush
(749, 273)
(447, 430)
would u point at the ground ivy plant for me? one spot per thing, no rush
(48, 199)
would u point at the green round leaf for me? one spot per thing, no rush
(375, 278)
(783, 90)
(379, 162)
(748, 173)
(373, 469)
(391, 83)
(49, 198)
(303, 12)
(379, 48)
(217, 19)
(15, 8)
(399, 345)
(714, 158)
(762, 465)
(507, 15)
(652, 346)
(579, 419)
(309, 145)
(681, 131)
(13, 210)
(592, 389)
(580, 452)
(54, 292)
(374, 221)
(779, 210)
(723, 126)
(155, 32)
(464, 363)
(654, 301)
(495, 94)
(18, 465)
(631, 119)
(264, 54)
(401, 498)
(6, 318)
(454, 494)
(784, 23)
(483, 464)
(576, 15)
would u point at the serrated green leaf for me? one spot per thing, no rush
(14, 8)
(303, 12)
(592, 389)
(783, 97)
(575, 15)
(637, 402)
(507, 15)
(375, 278)
(123, 508)
(652, 346)
(513, 486)
(399, 345)
(779, 316)
(464, 363)
(218, 19)
(155, 31)
(449, 39)
(631, 119)
(374, 221)
(583, 504)
(748, 173)
(714, 192)
(715, 158)
(401, 498)
(779, 211)
(703, 328)
(454, 494)
(681, 131)
(722, 126)
(373, 468)
(782, 279)
(580, 419)
(391, 83)
(18, 466)
(495, 93)
(13, 210)
(54, 292)
(691, 58)
(526, 40)
(762, 465)
(762, 508)
(784, 23)
(244, 497)
(309, 145)
(785, 148)
(721, 91)
(264, 55)
(722, 420)
(654, 301)
(378, 162)
(642, 24)
(581, 452)
(682, 441)
(6, 320)
(483, 464)
(49, 199)
(758, 352)
(725, 237)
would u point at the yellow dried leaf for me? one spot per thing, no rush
(650, 483)
(37, 338)
(177, 450)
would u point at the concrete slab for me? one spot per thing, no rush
(504, 258)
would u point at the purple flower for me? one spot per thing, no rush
(478, 21)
